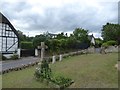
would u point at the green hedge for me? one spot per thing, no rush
(26, 45)
(105, 45)
(44, 72)
(111, 42)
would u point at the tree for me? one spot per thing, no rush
(23, 37)
(98, 42)
(38, 39)
(61, 36)
(81, 35)
(111, 32)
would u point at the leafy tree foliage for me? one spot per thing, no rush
(61, 42)
(81, 35)
(26, 45)
(111, 32)
(23, 37)
(61, 36)
(98, 42)
(38, 39)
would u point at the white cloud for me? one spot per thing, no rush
(37, 16)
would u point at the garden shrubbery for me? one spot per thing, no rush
(44, 72)
(26, 45)
(61, 81)
(105, 45)
(109, 43)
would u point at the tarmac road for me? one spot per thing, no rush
(16, 63)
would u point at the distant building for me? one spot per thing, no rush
(92, 39)
(9, 40)
(51, 35)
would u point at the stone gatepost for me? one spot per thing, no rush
(36, 52)
(19, 52)
(53, 59)
(60, 59)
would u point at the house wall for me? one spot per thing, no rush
(8, 39)
(0, 44)
(0, 37)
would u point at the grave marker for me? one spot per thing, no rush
(42, 47)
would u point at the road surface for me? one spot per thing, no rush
(4, 65)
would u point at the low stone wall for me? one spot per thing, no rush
(91, 50)
(18, 68)
(111, 49)
(55, 58)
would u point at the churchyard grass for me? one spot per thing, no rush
(88, 71)
(21, 79)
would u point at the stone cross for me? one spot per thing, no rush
(42, 47)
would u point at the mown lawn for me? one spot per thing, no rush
(88, 71)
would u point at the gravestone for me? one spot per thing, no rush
(42, 47)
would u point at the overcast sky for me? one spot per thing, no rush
(33, 17)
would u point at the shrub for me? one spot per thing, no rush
(111, 43)
(43, 72)
(26, 45)
(14, 57)
(105, 45)
(59, 80)
(98, 42)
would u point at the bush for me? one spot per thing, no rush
(111, 43)
(14, 57)
(105, 45)
(59, 80)
(26, 45)
(43, 72)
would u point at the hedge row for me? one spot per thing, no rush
(109, 43)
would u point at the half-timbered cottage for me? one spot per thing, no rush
(9, 40)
